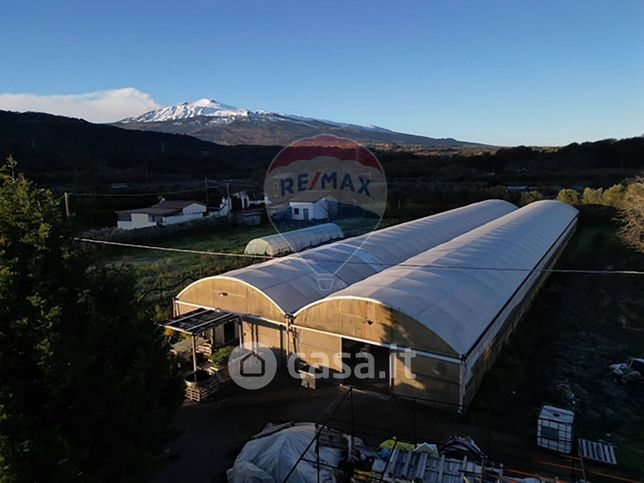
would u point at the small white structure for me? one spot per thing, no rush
(294, 241)
(247, 202)
(554, 429)
(313, 205)
(224, 209)
(166, 212)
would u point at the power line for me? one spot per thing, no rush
(149, 195)
(132, 195)
(359, 262)
(168, 249)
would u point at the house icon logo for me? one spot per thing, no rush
(252, 366)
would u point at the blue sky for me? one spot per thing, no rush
(500, 72)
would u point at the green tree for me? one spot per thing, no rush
(87, 386)
(569, 196)
(593, 196)
(528, 197)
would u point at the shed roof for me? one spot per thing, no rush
(198, 321)
(177, 204)
(457, 289)
(165, 207)
(296, 280)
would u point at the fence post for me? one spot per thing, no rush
(68, 212)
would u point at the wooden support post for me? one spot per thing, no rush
(194, 353)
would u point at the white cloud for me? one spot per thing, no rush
(102, 106)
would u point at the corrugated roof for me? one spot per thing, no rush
(296, 280)
(478, 276)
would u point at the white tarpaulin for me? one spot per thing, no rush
(273, 452)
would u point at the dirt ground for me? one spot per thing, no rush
(213, 433)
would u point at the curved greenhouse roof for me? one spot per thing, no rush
(458, 289)
(294, 241)
(284, 285)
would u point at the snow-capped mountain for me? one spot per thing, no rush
(213, 121)
(186, 110)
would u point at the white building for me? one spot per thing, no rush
(313, 205)
(166, 212)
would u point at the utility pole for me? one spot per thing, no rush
(67, 210)
(205, 182)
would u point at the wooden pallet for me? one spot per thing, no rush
(205, 348)
(199, 393)
(597, 451)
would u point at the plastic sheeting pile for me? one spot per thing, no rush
(271, 454)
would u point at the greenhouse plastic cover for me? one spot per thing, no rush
(457, 289)
(271, 454)
(294, 240)
(296, 280)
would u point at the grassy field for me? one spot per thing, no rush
(560, 352)
(161, 275)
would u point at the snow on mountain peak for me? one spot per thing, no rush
(185, 110)
(205, 103)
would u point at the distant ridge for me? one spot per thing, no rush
(216, 122)
(55, 148)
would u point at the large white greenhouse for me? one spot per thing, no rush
(294, 240)
(277, 288)
(449, 286)
(454, 304)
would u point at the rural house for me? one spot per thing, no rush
(166, 212)
(313, 205)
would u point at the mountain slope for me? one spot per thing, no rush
(56, 148)
(220, 123)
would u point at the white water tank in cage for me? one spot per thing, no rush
(554, 429)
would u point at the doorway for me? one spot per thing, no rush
(369, 365)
